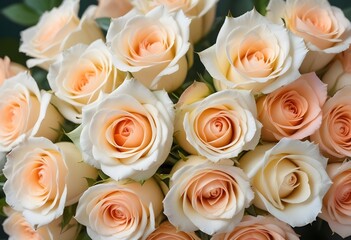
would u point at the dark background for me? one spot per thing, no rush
(9, 44)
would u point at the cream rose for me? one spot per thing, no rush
(17, 227)
(289, 179)
(206, 196)
(259, 228)
(9, 69)
(43, 177)
(216, 125)
(334, 135)
(128, 134)
(80, 75)
(57, 30)
(253, 53)
(167, 231)
(324, 28)
(201, 12)
(338, 74)
(294, 110)
(120, 210)
(152, 48)
(26, 111)
(112, 8)
(336, 203)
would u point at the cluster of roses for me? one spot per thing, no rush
(272, 136)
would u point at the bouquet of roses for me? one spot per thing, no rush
(157, 119)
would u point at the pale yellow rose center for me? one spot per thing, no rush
(132, 132)
(117, 212)
(86, 79)
(217, 127)
(340, 125)
(211, 192)
(150, 44)
(19, 115)
(255, 57)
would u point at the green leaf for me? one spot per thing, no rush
(83, 236)
(39, 6)
(347, 13)
(39, 75)
(261, 6)
(68, 214)
(104, 23)
(2, 205)
(21, 14)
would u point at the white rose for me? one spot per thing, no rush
(43, 177)
(201, 12)
(151, 47)
(324, 28)
(253, 53)
(17, 227)
(216, 125)
(120, 210)
(26, 111)
(80, 75)
(9, 69)
(57, 30)
(207, 196)
(128, 133)
(289, 179)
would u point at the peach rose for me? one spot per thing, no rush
(334, 135)
(324, 28)
(43, 177)
(128, 133)
(294, 110)
(80, 75)
(17, 227)
(120, 210)
(9, 69)
(167, 231)
(216, 125)
(151, 47)
(112, 8)
(253, 53)
(26, 111)
(259, 228)
(338, 74)
(289, 179)
(58, 30)
(336, 203)
(206, 196)
(202, 13)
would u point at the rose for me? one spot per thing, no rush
(43, 177)
(324, 28)
(202, 13)
(338, 74)
(254, 54)
(336, 203)
(167, 231)
(206, 196)
(294, 110)
(259, 228)
(120, 210)
(80, 75)
(128, 134)
(216, 125)
(152, 48)
(57, 30)
(26, 112)
(9, 69)
(112, 8)
(17, 227)
(288, 178)
(334, 134)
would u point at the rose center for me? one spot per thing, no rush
(290, 182)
